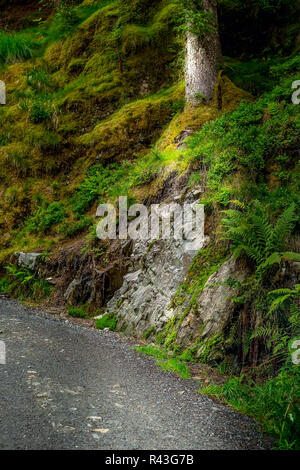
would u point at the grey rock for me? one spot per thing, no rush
(158, 269)
(79, 290)
(28, 260)
(214, 307)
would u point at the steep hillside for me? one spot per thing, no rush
(95, 110)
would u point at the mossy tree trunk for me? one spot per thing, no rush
(203, 53)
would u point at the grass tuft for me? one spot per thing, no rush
(16, 47)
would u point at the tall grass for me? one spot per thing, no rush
(274, 404)
(16, 47)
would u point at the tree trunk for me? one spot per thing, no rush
(202, 57)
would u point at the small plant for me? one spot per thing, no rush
(107, 321)
(284, 298)
(194, 179)
(46, 216)
(149, 332)
(18, 162)
(4, 284)
(187, 356)
(24, 284)
(77, 312)
(40, 112)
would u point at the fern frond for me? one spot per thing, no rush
(277, 303)
(291, 256)
(237, 203)
(264, 332)
(283, 228)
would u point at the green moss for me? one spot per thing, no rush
(76, 66)
(187, 356)
(79, 85)
(207, 261)
(149, 332)
(42, 139)
(204, 265)
(151, 350)
(15, 156)
(164, 360)
(118, 135)
(77, 312)
(107, 321)
(174, 365)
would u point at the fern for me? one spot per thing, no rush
(282, 229)
(253, 235)
(284, 298)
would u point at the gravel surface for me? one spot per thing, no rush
(69, 387)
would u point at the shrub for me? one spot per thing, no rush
(115, 179)
(100, 181)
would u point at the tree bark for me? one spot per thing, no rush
(202, 57)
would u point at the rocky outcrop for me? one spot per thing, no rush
(214, 308)
(87, 278)
(28, 260)
(157, 270)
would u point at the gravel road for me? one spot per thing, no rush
(68, 387)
